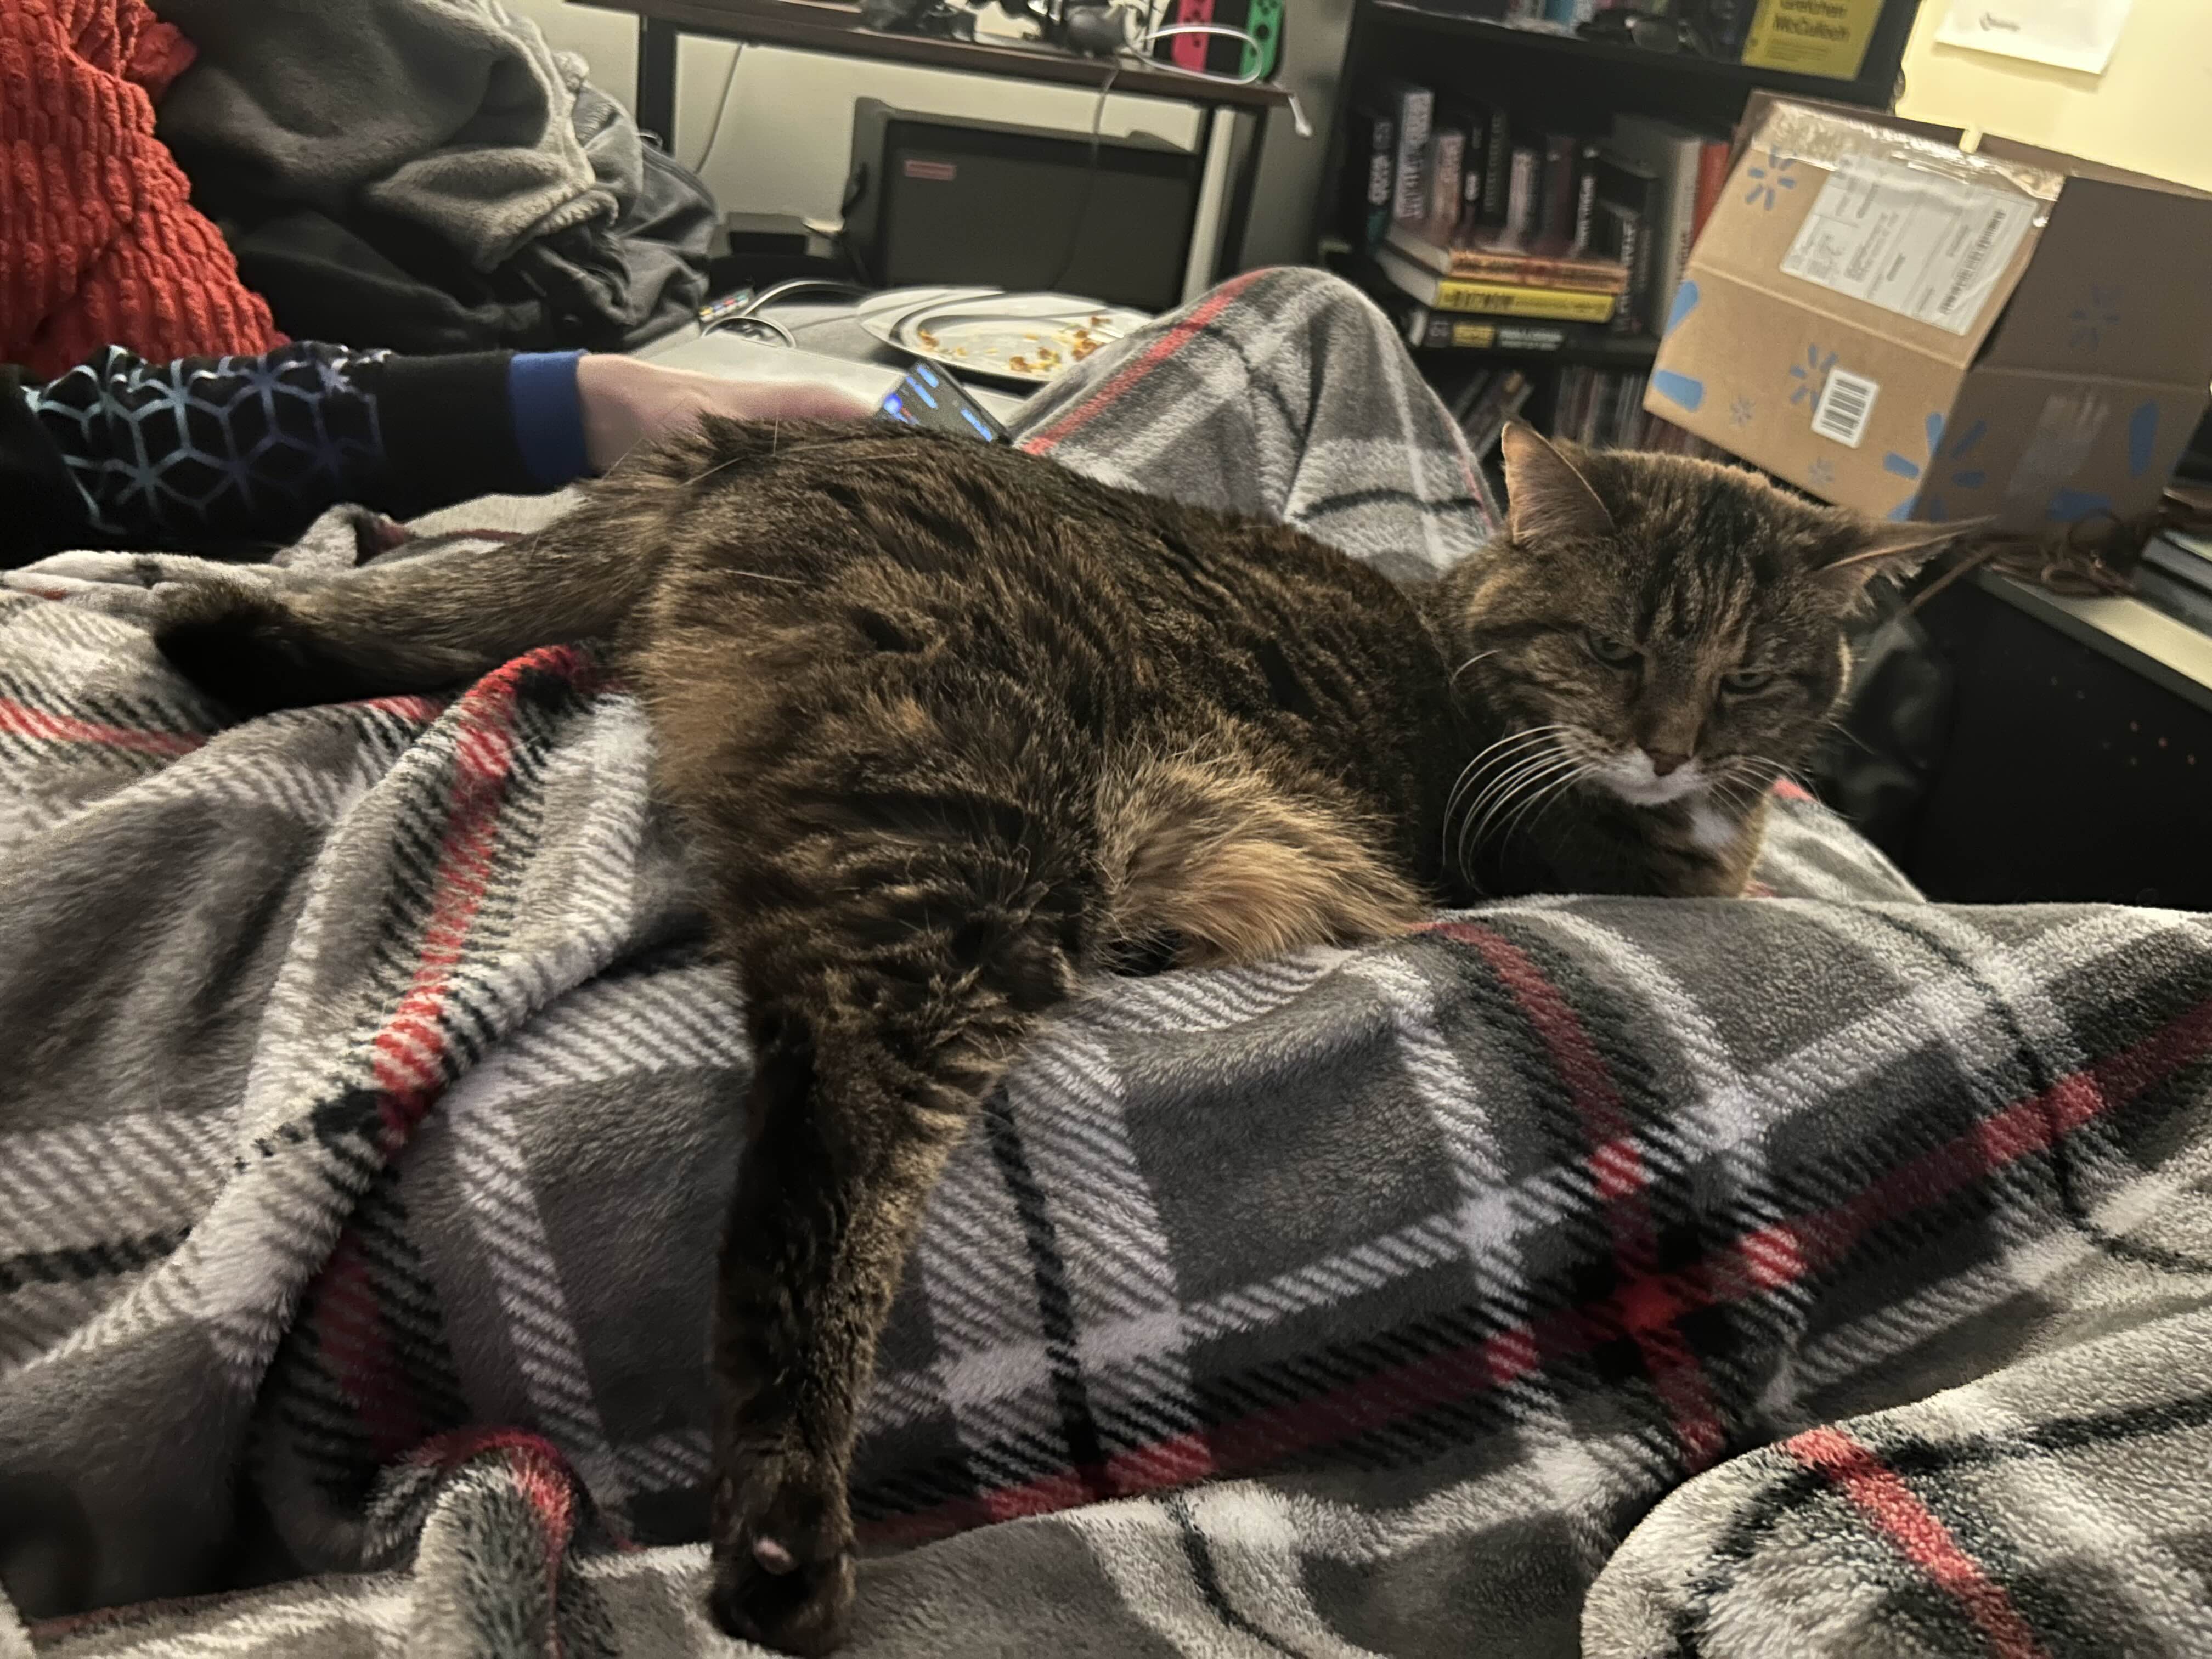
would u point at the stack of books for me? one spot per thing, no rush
(1482, 213)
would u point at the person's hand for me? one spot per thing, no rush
(626, 400)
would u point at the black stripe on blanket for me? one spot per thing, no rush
(1055, 1310)
(107, 1258)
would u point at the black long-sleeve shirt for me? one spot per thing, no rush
(212, 451)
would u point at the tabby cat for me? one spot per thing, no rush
(953, 727)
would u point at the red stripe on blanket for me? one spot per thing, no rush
(2023, 1129)
(28, 722)
(1166, 346)
(354, 1345)
(409, 1067)
(407, 707)
(1919, 1534)
(1651, 1312)
(1761, 1261)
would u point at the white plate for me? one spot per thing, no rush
(879, 312)
(1032, 339)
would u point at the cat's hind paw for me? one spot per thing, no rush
(783, 1552)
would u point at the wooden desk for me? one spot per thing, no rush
(826, 26)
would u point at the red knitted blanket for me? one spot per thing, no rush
(103, 245)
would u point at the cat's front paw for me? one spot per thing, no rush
(783, 1549)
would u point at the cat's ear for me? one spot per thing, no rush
(1546, 499)
(1870, 549)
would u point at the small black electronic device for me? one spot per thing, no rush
(937, 201)
(930, 397)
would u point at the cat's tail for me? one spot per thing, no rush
(411, 624)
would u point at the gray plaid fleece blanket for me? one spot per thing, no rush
(1818, 1273)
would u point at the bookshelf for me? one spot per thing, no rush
(1712, 86)
(1550, 77)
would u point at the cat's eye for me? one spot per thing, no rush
(1745, 680)
(1606, 649)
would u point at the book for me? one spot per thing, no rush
(1632, 195)
(1412, 110)
(1494, 298)
(1713, 180)
(1586, 156)
(1505, 396)
(1486, 259)
(1427, 328)
(1673, 153)
(1523, 205)
(1369, 177)
(1447, 157)
(1556, 223)
(1471, 392)
(1496, 165)
(1621, 235)
(1472, 123)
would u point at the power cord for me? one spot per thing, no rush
(721, 105)
(1090, 180)
(1140, 49)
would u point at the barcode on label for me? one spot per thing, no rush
(1968, 275)
(1845, 402)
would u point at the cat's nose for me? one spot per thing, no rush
(1664, 761)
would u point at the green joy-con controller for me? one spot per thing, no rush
(1263, 21)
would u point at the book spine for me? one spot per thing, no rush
(1471, 394)
(1673, 254)
(1475, 267)
(1585, 197)
(1521, 207)
(1474, 164)
(1496, 167)
(1416, 106)
(1370, 165)
(1557, 224)
(1632, 248)
(1497, 299)
(1500, 402)
(1447, 159)
(1713, 180)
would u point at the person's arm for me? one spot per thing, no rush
(122, 452)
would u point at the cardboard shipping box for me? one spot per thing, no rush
(1895, 323)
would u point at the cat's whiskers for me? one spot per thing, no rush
(1480, 656)
(1512, 775)
(1527, 776)
(1527, 783)
(1470, 774)
(1518, 750)
(1541, 801)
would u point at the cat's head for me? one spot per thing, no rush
(1676, 628)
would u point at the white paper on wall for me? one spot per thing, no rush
(2074, 34)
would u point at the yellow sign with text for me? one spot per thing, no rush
(1812, 37)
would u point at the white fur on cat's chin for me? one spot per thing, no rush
(1629, 775)
(1712, 828)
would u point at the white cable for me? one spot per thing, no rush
(721, 104)
(1143, 48)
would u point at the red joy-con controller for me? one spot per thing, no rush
(1190, 49)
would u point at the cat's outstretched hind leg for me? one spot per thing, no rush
(881, 1016)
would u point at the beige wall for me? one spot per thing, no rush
(2151, 109)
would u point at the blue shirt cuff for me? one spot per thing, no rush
(548, 415)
